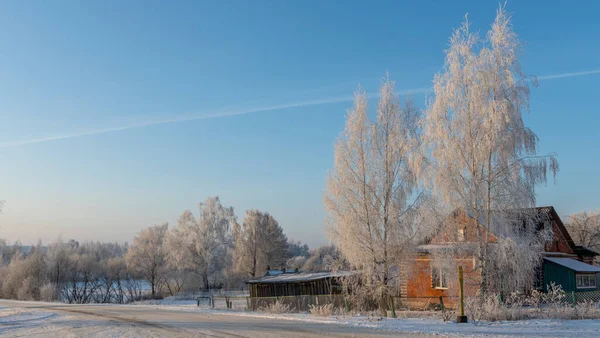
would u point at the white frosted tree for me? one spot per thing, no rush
(372, 195)
(259, 242)
(116, 273)
(200, 245)
(584, 228)
(482, 156)
(146, 256)
(57, 260)
(321, 258)
(25, 276)
(296, 263)
(296, 248)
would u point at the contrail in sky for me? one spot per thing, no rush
(315, 102)
(560, 76)
(233, 112)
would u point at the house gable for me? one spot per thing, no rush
(460, 227)
(562, 241)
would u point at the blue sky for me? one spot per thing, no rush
(71, 70)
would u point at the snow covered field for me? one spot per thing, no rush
(159, 320)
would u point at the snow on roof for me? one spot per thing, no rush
(573, 264)
(277, 272)
(300, 277)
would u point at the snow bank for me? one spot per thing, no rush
(173, 300)
(528, 328)
(18, 320)
(13, 316)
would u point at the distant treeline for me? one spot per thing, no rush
(211, 251)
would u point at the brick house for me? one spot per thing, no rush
(424, 281)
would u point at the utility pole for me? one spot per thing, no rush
(462, 318)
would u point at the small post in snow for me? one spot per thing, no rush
(462, 318)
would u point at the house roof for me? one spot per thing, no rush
(552, 215)
(583, 251)
(503, 221)
(573, 264)
(557, 254)
(538, 216)
(300, 277)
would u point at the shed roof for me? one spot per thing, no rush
(278, 272)
(300, 277)
(573, 264)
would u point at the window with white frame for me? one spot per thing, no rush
(584, 281)
(461, 234)
(438, 277)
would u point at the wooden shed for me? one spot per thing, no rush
(298, 284)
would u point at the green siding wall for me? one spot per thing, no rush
(564, 276)
(560, 275)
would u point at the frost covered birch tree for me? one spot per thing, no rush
(321, 258)
(146, 256)
(200, 245)
(483, 157)
(260, 242)
(372, 195)
(584, 227)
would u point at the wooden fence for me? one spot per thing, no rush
(304, 302)
(296, 303)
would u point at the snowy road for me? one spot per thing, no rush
(32, 319)
(37, 319)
